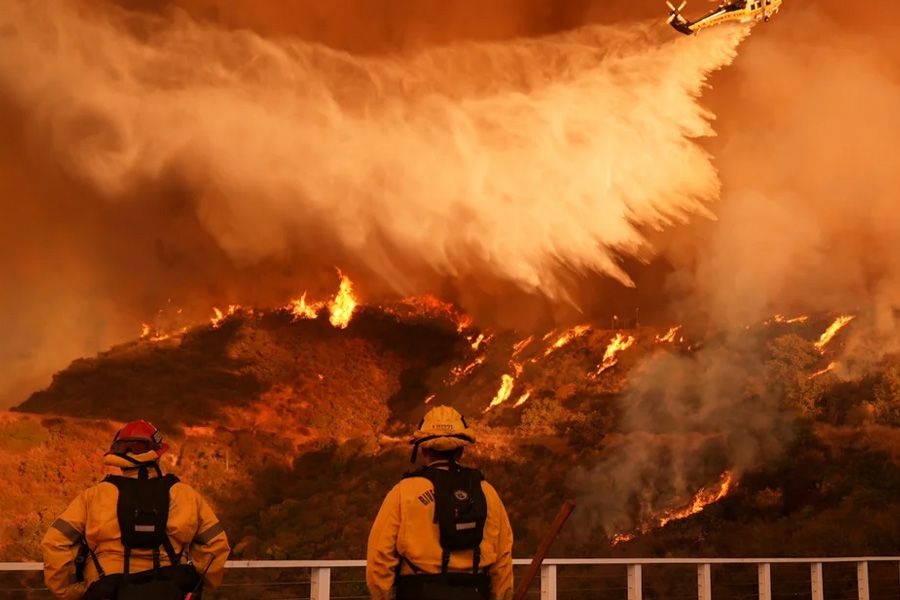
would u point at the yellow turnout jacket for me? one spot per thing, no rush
(405, 526)
(192, 528)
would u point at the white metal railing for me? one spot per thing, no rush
(320, 572)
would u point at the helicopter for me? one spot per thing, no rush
(741, 11)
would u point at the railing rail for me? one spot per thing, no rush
(320, 572)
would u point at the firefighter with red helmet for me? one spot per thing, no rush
(139, 534)
(442, 533)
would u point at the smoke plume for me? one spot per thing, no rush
(806, 224)
(518, 161)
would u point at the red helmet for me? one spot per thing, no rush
(138, 437)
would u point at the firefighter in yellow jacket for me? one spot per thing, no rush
(131, 535)
(442, 533)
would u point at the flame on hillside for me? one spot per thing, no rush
(301, 310)
(521, 345)
(343, 304)
(152, 334)
(779, 318)
(701, 500)
(565, 338)
(506, 387)
(219, 316)
(831, 367)
(340, 308)
(619, 344)
(706, 496)
(833, 330)
(460, 372)
(670, 335)
(522, 399)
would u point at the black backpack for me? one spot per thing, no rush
(460, 508)
(143, 514)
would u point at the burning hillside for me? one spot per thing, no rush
(273, 389)
(494, 197)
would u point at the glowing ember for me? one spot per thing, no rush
(478, 341)
(832, 331)
(343, 304)
(568, 336)
(458, 373)
(831, 367)
(430, 398)
(788, 320)
(301, 310)
(622, 537)
(154, 335)
(701, 500)
(506, 387)
(430, 306)
(670, 335)
(521, 345)
(619, 344)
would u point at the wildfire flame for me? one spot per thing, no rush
(833, 330)
(670, 335)
(301, 310)
(779, 318)
(706, 496)
(458, 373)
(701, 500)
(506, 387)
(153, 335)
(565, 338)
(619, 344)
(343, 304)
(831, 367)
(219, 316)
(521, 345)
(522, 399)
(478, 341)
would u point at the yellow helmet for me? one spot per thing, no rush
(442, 428)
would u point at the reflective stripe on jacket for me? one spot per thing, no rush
(405, 526)
(192, 527)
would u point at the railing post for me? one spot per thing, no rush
(548, 582)
(704, 582)
(862, 579)
(765, 581)
(320, 583)
(818, 584)
(635, 590)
